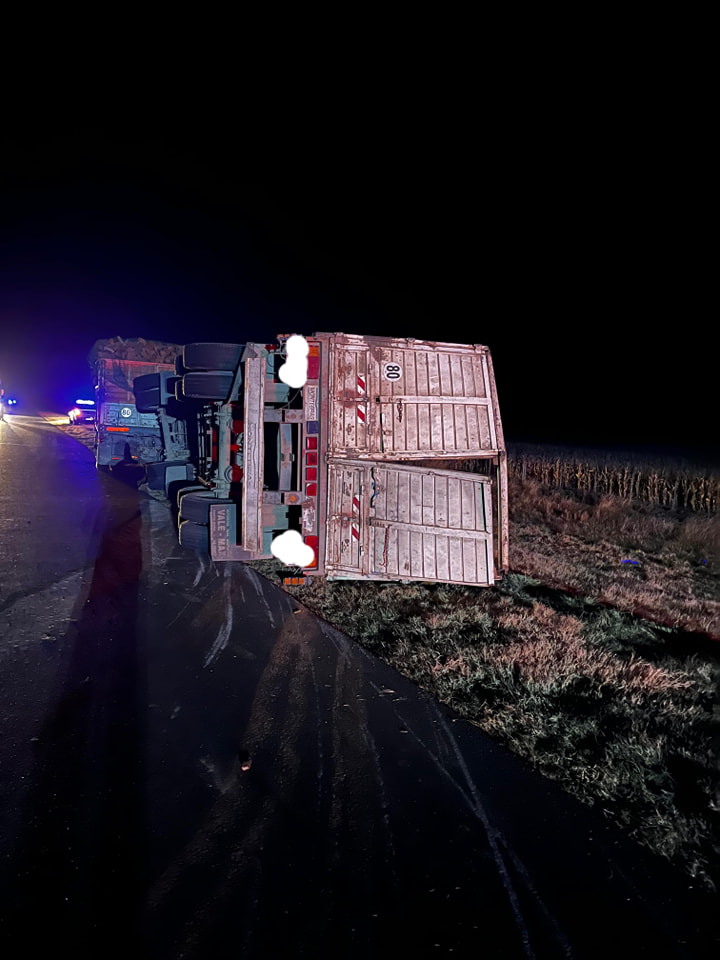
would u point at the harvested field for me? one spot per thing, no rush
(676, 484)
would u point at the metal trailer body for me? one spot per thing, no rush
(119, 423)
(398, 399)
(392, 521)
(402, 399)
(344, 454)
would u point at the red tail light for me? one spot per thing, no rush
(314, 543)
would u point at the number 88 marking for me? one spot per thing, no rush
(392, 371)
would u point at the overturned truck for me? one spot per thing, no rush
(355, 460)
(133, 381)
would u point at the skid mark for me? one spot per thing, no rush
(384, 802)
(223, 634)
(318, 722)
(258, 584)
(471, 796)
(341, 644)
(495, 839)
(201, 570)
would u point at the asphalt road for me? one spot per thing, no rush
(194, 766)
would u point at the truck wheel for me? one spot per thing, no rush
(180, 367)
(213, 385)
(195, 537)
(196, 506)
(212, 356)
(183, 491)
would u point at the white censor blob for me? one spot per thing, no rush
(294, 371)
(290, 549)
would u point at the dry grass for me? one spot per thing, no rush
(661, 566)
(550, 650)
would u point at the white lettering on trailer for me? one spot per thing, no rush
(311, 408)
(309, 517)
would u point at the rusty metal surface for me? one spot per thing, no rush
(253, 455)
(392, 398)
(401, 522)
(503, 522)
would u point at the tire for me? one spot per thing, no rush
(183, 491)
(194, 537)
(147, 401)
(212, 356)
(195, 506)
(180, 367)
(179, 392)
(212, 385)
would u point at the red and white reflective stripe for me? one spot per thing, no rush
(356, 518)
(361, 393)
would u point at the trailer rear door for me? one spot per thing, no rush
(407, 399)
(399, 522)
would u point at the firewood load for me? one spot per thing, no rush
(139, 349)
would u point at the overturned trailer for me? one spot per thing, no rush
(355, 460)
(130, 422)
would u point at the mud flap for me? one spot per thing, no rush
(224, 535)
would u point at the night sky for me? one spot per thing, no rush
(571, 258)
